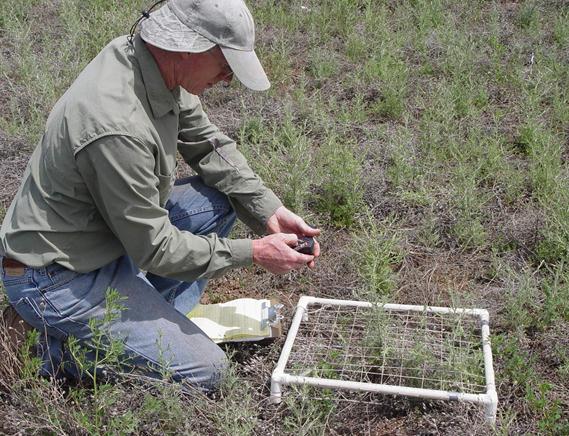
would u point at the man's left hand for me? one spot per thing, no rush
(285, 221)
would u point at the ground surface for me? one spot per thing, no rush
(429, 141)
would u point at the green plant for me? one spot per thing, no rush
(428, 234)
(321, 65)
(341, 189)
(356, 47)
(528, 15)
(277, 61)
(282, 157)
(464, 356)
(31, 362)
(236, 414)
(102, 350)
(563, 356)
(468, 228)
(392, 75)
(377, 252)
(554, 247)
(519, 368)
(522, 302)
(307, 410)
(428, 14)
(561, 29)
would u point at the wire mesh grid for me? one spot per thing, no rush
(441, 351)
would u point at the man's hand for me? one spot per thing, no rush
(285, 221)
(274, 253)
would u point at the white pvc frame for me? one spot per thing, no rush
(488, 399)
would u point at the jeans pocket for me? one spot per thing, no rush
(72, 296)
(37, 315)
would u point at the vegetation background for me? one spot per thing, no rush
(429, 139)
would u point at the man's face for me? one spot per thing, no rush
(197, 72)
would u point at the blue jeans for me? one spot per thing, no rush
(156, 334)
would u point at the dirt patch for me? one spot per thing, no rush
(439, 278)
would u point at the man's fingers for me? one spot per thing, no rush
(316, 248)
(290, 239)
(304, 258)
(276, 253)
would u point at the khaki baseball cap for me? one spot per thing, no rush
(196, 26)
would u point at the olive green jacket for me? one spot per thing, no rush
(96, 184)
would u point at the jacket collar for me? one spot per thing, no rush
(161, 99)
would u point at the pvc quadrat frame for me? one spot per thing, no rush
(435, 353)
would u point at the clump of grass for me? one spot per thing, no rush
(281, 154)
(428, 14)
(554, 246)
(356, 47)
(548, 178)
(277, 61)
(468, 202)
(235, 414)
(528, 15)
(341, 195)
(321, 65)
(428, 233)
(561, 29)
(534, 305)
(377, 253)
(391, 75)
(355, 112)
(519, 370)
(305, 414)
(405, 173)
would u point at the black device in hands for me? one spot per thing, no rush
(305, 245)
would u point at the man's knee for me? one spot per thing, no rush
(208, 374)
(200, 209)
(217, 373)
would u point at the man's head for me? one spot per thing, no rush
(195, 72)
(217, 36)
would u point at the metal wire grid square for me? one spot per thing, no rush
(426, 350)
(438, 353)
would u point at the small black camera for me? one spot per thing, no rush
(305, 245)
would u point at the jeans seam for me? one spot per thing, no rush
(144, 356)
(16, 281)
(188, 213)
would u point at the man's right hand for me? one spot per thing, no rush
(274, 253)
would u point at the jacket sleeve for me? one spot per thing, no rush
(215, 157)
(119, 174)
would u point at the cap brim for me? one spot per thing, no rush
(247, 68)
(164, 30)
